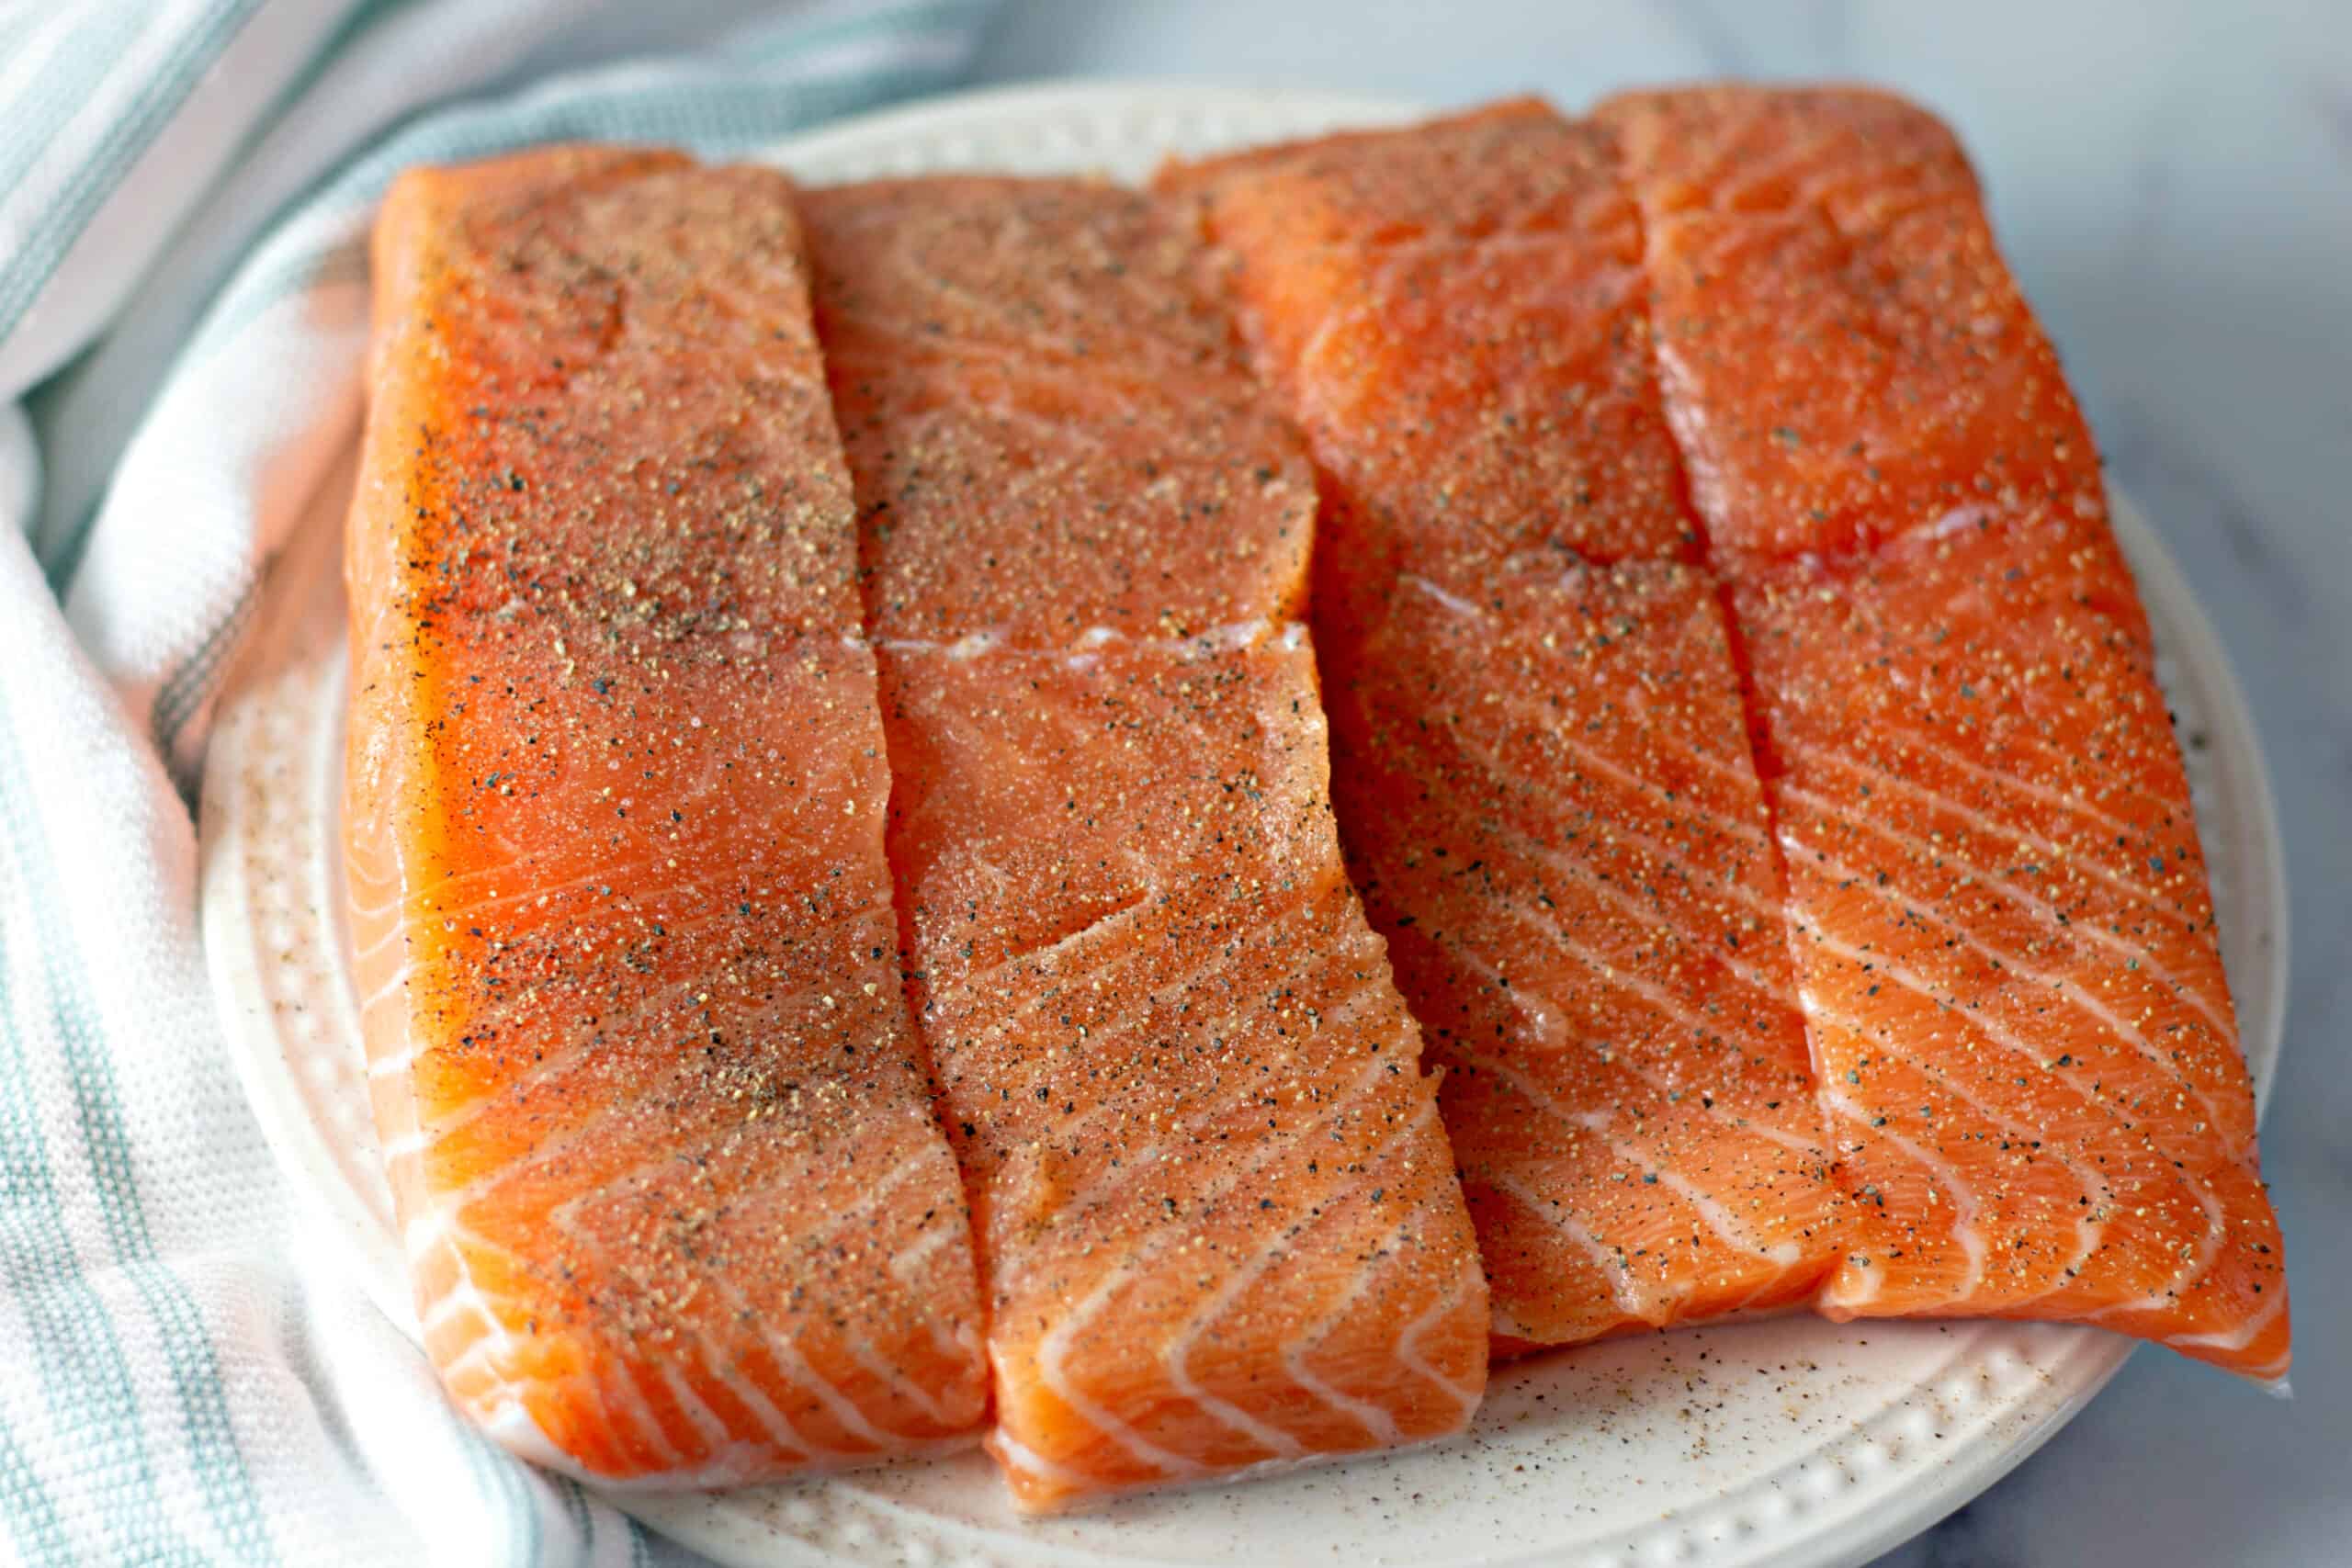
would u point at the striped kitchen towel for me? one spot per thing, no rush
(185, 1377)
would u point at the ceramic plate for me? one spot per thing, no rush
(1786, 1442)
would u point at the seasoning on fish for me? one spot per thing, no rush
(1219, 1218)
(1844, 355)
(1049, 427)
(2007, 946)
(2005, 935)
(677, 1207)
(1221, 1225)
(1540, 756)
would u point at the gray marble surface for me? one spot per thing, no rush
(2173, 182)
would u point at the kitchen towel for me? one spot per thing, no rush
(187, 1374)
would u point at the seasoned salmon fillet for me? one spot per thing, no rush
(1846, 355)
(675, 1201)
(2006, 947)
(1553, 816)
(1051, 429)
(1455, 315)
(1541, 754)
(1218, 1219)
(2004, 930)
(1221, 1225)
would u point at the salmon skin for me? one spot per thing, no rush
(676, 1206)
(1541, 762)
(1218, 1219)
(2005, 934)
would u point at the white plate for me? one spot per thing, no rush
(1787, 1443)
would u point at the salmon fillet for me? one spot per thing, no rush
(1542, 761)
(1218, 1219)
(1035, 394)
(675, 1201)
(1553, 815)
(1455, 315)
(1221, 1225)
(2006, 947)
(2005, 934)
(1846, 355)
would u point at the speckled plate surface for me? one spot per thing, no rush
(1787, 1443)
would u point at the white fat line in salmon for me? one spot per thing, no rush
(489, 1349)
(1229, 636)
(699, 1415)
(783, 1349)
(2055, 854)
(1889, 892)
(2209, 1248)
(494, 1343)
(1642, 916)
(1055, 1347)
(1907, 739)
(1618, 977)
(425, 904)
(1875, 963)
(1964, 1197)
(1408, 1347)
(1010, 1447)
(1911, 980)
(2236, 1338)
(1127, 913)
(2012, 888)
(795, 1367)
(1378, 1423)
(1116, 1180)
(1631, 1299)
(1783, 1254)
(1166, 992)
(955, 1341)
(591, 1042)
(1598, 762)
(1545, 1017)
(2090, 1224)
(860, 1350)
(1739, 775)
(1176, 1354)
(1674, 857)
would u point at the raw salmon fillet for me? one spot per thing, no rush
(677, 1206)
(1552, 813)
(2005, 936)
(1221, 1225)
(1456, 316)
(2006, 947)
(1218, 1219)
(1846, 358)
(1050, 427)
(1542, 761)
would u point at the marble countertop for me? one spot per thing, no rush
(2173, 184)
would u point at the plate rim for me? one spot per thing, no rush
(299, 1146)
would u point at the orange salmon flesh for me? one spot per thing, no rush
(675, 1202)
(1845, 940)
(1142, 825)
(1215, 1203)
